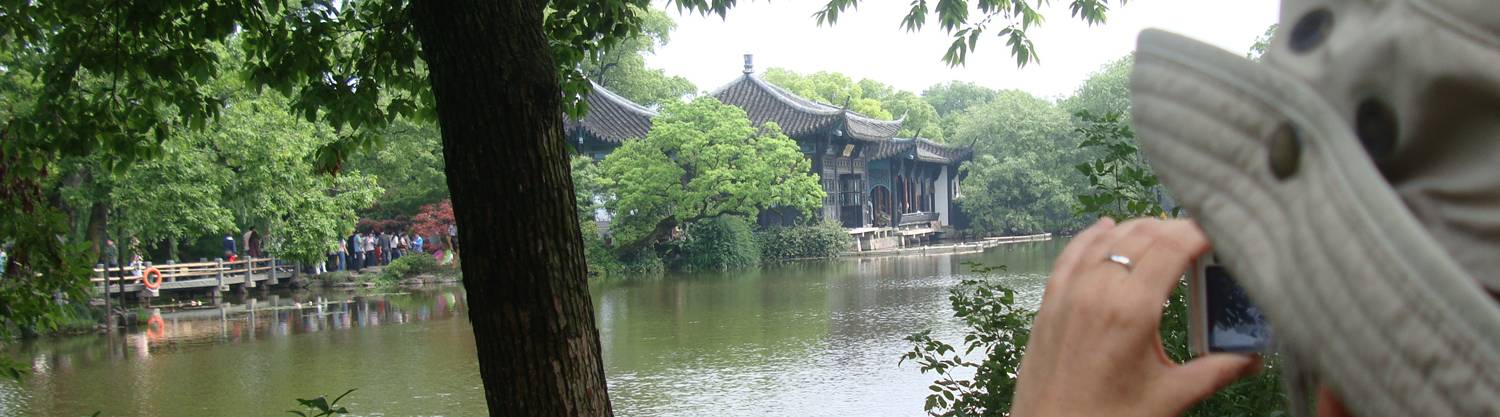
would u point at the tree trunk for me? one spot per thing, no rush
(94, 232)
(499, 110)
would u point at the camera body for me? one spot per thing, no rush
(1221, 316)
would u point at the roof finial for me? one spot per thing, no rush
(749, 64)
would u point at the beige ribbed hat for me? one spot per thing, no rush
(1351, 182)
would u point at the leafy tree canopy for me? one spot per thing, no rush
(1008, 20)
(1262, 43)
(867, 97)
(1105, 91)
(702, 159)
(623, 68)
(950, 99)
(1022, 178)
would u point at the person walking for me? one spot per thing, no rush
(343, 253)
(453, 237)
(231, 250)
(369, 247)
(137, 261)
(357, 251)
(399, 241)
(252, 243)
(416, 244)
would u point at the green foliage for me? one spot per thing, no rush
(410, 266)
(718, 164)
(587, 189)
(1013, 18)
(997, 329)
(601, 262)
(1020, 180)
(184, 182)
(641, 263)
(408, 165)
(320, 406)
(1105, 91)
(821, 240)
(1121, 184)
(867, 97)
(623, 70)
(1262, 44)
(264, 150)
(720, 243)
(951, 99)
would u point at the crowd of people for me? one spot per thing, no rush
(365, 249)
(360, 250)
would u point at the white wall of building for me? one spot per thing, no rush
(941, 205)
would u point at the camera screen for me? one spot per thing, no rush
(1234, 323)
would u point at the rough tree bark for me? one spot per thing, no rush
(498, 106)
(94, 231)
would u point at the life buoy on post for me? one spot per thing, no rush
(146, 279)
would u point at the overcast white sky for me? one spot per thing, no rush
(868, 42)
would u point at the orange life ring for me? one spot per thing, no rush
(146, 278)
(156, 328)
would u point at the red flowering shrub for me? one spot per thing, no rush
(433, 219)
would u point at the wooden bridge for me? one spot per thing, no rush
(216, 276)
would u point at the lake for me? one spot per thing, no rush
(816, 338)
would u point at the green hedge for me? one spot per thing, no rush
(410, 266)
(720, 243)
(823, 240)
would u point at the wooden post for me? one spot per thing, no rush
(171, 270)
(249, 272)
(219, 277)
(143, 293)
(109, 311)
(274, 279)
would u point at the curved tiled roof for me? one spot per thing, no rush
(766, 102)
(920, 149)
(612, 118)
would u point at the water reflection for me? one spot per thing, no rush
(804, 339)
(256, 344)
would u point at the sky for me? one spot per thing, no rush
(869, 43)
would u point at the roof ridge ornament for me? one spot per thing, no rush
(749, 64)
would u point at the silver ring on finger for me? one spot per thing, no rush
(1122, 260)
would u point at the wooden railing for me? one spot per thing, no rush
(243, 269)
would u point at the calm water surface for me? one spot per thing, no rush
(806, 339)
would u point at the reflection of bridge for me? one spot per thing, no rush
(216, 276)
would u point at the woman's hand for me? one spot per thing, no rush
(1096, 348)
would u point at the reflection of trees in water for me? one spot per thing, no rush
(278, 315)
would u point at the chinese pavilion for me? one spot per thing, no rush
(871, 177)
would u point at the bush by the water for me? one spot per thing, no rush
(410, 266)
(720, 243)
(595, 252)
(998, 328)
(823, 240)
(645, 262)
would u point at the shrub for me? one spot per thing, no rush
(641, 263)
(409, 266)
(998, 329)
(720, 243)
(823, 240)
(600, 260)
